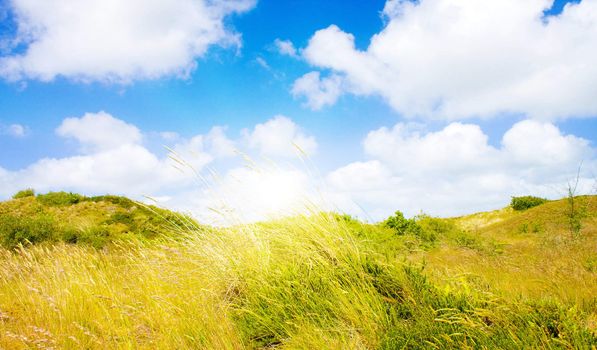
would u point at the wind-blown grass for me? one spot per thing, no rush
(322, 281)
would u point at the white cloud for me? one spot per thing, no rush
(455, 147)
(530, 142)
(263, 63)
(280, 136)
(129, 169)
(285, 47)
(318, 92)
(201, 150)
(116, 41)
(99, 131)
(459, 59)
(361, 176)
(112, 159)
(456, 171)
(169, 135)
(14, 130)
(219, 144)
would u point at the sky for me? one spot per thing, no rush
(240, 110)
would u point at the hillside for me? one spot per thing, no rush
(532, 253)
(72, 218)
(504, 279)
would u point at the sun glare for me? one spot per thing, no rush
(253, 195)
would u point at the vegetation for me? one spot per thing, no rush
(526, 202)
(24, 193)
(576, 211)
(60, 198)
(323, 281)
(73, 218)
(16, 230)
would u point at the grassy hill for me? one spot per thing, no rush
(504, 279)
(73, 218)
(537, 254)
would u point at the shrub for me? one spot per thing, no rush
(402, 225)
(60, 198)
(15, 230)
(96, 236)
(425, 228)
(24, 193)
(527, 227)
(526, 202)
(467, 240)
(117, 200)
(123, 218)
(433, 228)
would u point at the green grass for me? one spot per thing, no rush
(324, 281)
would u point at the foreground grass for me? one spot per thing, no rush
(318, 282)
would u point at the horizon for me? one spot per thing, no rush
(261, 107)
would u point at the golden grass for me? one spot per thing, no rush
(539, 257)
(82, 298)
(308, 282)
(170, 294)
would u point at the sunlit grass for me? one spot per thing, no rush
(538, 256)
(320, 281)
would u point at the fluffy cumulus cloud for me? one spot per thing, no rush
(285, 47)
(113, 40)
(112, 158)
(281, 137)
(319, 92)
(455, 170)
(99, 131)
(458, 59)
(200, 150)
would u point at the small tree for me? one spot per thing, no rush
(574, 212)
(402, 225)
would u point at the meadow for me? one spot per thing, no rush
(108, 273)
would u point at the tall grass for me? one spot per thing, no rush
(309, 282)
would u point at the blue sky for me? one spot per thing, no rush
(238, 77)
(227, 88)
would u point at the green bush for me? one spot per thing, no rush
(15, 230)
(433, 228)
(526, 202)
(24, 193)
(95, 236)
(117, 200)
(402, 225)
(124, 218)
(426, 228)
(60, 198)
(528, 227)
(467, 240)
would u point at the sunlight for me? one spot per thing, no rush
(253, 195)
